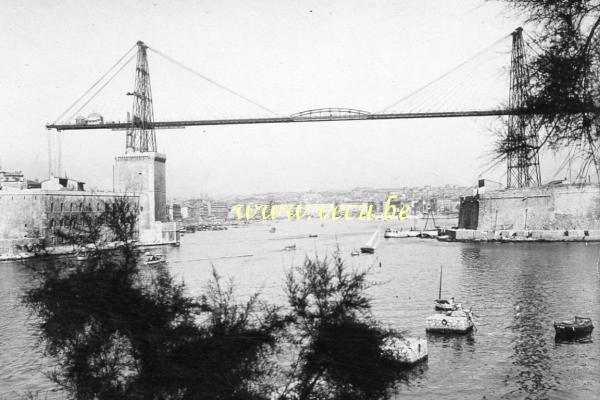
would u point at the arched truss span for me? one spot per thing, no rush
(330, 114)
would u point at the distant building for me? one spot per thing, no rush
(12, 179)
(218, 210)
(58, 183)
(174, 211)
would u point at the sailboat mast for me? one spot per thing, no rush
(440, 292)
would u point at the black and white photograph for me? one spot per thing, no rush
(300, 199)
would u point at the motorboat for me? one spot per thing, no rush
(456, 321)
(290, 247)
(395, 233)
(313, 235)
(273, 230)
(153, 259)
(576, 328)
(355, 252)
(428, 234)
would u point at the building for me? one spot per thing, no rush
(143, 174)
(12, 179)
(559, 211)
(30, 217)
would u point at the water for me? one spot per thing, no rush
(516, 291)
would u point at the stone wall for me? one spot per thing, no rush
(36, 213)
(560, 207)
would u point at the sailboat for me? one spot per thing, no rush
(369, 247)
(443, 304)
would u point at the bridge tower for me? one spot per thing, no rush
(141, 169)
(522, 140)
(140, 135)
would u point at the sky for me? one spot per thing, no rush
(288, 56)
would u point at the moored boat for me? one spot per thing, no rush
(153, 259)
(290, 247)
(455, 321)
(577, 328)
(428, 234)
(395, 233)
(355, 252)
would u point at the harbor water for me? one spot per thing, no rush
(516, 291)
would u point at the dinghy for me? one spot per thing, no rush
(577, 328)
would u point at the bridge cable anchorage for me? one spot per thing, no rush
(194, 72)
(95, 84)
(445, 74)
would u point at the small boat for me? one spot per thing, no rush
(428, 234)
(355, 252)
(443, 304)
(455, 321)
(577, 328)
(154, 259)
(290, 248)
(273, 230)
(395, 233)
(370, 246)
(84, 255)
(313, 235)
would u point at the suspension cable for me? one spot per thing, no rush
(445, 74)
(103, 86)
(95, 84)
(179, 64)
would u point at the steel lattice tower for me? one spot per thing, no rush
(140, 135)
(522, 156)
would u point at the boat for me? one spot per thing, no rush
(273, 230)
(153, 259)
(82, 256)
(355, 252)
(313, 235)
(445, 238)
(370, 246)
(443, 304)
(413, 233)
(290, 247)
(456, 321)
(577, 328)
(428, 234)
(395, 233)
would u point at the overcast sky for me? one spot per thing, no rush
(286, 55)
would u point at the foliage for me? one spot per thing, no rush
(339, 345)
(119, 330)
(565, 74)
